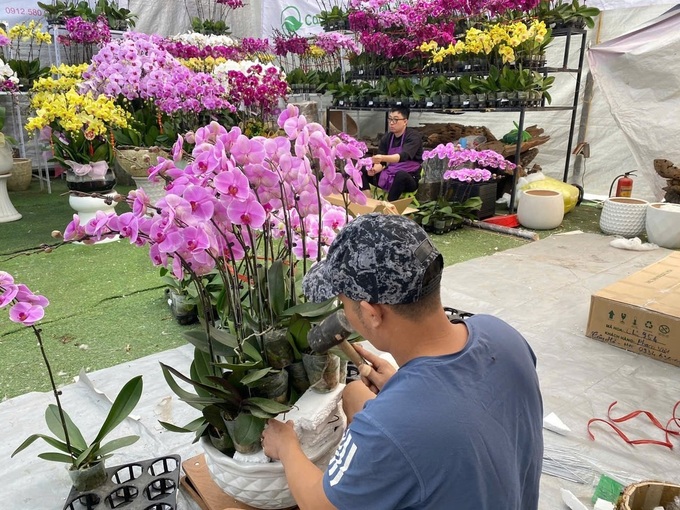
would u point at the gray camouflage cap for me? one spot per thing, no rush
(378, 258)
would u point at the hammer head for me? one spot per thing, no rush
(332, 331)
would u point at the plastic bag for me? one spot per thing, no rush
(569, 192)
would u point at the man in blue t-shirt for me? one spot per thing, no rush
(458, 426)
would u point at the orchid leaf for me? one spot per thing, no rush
(56, 457)
(248, 429)
(192, 426)
(125, 402)
(53, 420)
(255, 376)
(276, 287)
(117, 444)
(267, 405)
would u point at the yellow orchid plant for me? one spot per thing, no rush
(509, 42)
(79, 126)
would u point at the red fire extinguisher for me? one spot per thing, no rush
(624, 185)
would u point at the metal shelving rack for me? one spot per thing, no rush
(566, 33)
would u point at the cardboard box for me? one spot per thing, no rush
(373, 205)
(641, 313)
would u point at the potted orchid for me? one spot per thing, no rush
(85, 460)
(243, 219)
(79, 128)
(460, 194)
(21, 48)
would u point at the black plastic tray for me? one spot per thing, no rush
(145, 485)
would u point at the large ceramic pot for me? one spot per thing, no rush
(623, 216)
(262, 485)
(540, 209)
(319, 425)
(662, 222)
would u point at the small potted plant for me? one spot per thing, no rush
(85, 460)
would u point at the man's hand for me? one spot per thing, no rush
(278, 436)
(380, 373)
(375, 170)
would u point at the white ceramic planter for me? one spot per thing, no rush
(540, 209)
(262, 485)
(662, 222)
(623, 216)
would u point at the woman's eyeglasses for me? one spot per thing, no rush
(394, 120)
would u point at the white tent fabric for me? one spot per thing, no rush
(637, 74)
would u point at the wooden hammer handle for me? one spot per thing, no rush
(363, 367)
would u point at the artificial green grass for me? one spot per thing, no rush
(107, 303)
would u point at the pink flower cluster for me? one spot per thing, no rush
(27, 308)
(81, 31)
(254, 45)
(259, 86)
(397, 29)
(296, 45)
(458, 157)
(333, 42)
(237, 191)
(234, 4)
(180, 49)
(137, 67)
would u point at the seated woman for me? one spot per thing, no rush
(396, 168)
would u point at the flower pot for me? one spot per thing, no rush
(323, 371)
(662, 222)
(87, 479)
(154, 190)
(6, 159)
(136, 161)
(264, 485)
(623, 216)
(278, 351)
(297, 376)
(183, 309)
(540, 209)
(89, 184)
(21, 174)
(439, 227)
(274, 386)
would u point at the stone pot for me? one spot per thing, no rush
(662, 222)
(623, 216)
(540, 209)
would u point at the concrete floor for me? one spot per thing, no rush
(542, 288)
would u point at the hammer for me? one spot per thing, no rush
(332, 331)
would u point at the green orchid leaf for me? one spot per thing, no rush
(247, 429)
(56, 457)
(125, 402)
(255, 376)
(192, 426)
(53, 420)
(48, 439)
(276, 287)
(267, 405)
(312, 310)
(117, 444)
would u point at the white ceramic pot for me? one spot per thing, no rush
(540, 209)
(623, 216)
(262, 485)
(6, 159)
(154, 190)
(662, 222)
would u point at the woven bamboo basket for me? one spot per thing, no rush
(20, 175)
(648, 495)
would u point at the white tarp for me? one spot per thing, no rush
(637, 74)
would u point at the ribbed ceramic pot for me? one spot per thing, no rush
(623, 216)
(662, 222)
(540, 209)
(262, 485)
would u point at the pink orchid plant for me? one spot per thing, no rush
(27, 308)
(243, 219)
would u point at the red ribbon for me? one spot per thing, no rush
(611, 421)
